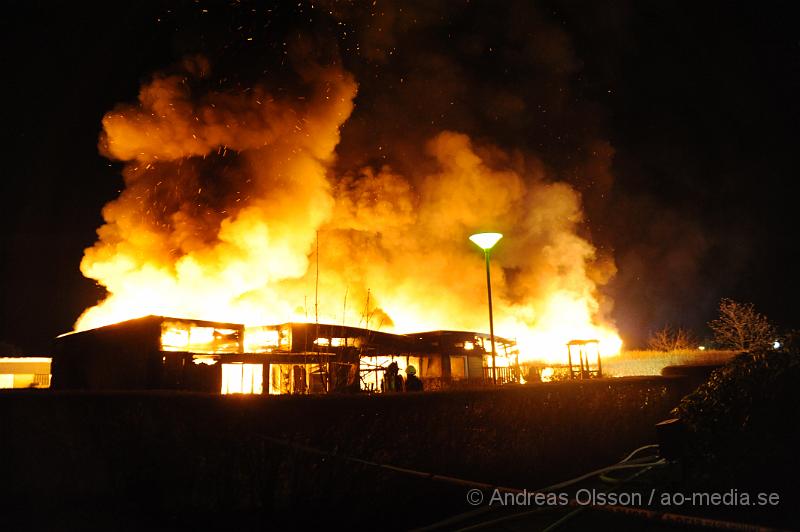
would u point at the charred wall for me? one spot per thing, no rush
(124, 356)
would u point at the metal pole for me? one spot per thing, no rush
(569, 357)
(599, 364)
(491, 319)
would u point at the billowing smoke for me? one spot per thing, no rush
(247, 205)
(407, 241)
(224, 194)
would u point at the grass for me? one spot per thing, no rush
(640, 363)
(630, 363)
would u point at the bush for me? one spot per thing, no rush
(741, 424)
(193, 459)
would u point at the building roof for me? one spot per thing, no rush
(465, 334)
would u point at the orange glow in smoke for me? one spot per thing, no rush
(227, 194)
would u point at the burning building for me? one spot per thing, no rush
(162, 353)
(236, 208)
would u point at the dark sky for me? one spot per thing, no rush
(697, 102)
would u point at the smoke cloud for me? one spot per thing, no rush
(230, 190)
(224, 194)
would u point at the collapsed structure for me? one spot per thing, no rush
(157, 352)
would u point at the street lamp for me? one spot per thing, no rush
(486, 242)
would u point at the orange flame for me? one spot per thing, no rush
(227, 193)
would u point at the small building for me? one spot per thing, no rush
(153, 352)
(465, 358)
(584, 350)
(24, 372)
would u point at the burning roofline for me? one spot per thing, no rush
(485, 336)
(425, 335)
(202, 323)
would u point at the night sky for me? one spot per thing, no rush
(676, 121)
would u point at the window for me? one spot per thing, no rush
(458, 368)
(186, 336)
(242, 378)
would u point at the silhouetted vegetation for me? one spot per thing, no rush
(672, 339)
(740, 327)
(95, 460)
(742, 424)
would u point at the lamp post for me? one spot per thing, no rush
(486, 242)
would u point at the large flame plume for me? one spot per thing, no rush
(231, 212)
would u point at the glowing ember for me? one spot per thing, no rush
(227, 194)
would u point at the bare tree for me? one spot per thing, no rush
(669, 339)
(739, 326)
(683, 340)
(661, 339)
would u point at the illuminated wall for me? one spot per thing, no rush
(25, 372)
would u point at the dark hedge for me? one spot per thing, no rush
(148, 460)
(742, 424)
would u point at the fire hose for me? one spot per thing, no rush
(627, 463)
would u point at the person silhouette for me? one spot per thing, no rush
(413, 383)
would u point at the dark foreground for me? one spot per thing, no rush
(162, 461)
